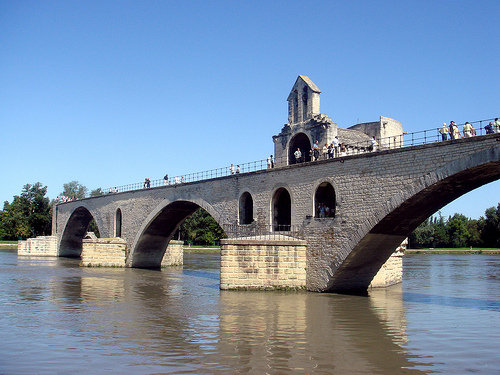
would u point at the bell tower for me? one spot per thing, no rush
(306, 125)
(303, 101)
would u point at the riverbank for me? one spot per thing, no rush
(8, 245)
(201, 249)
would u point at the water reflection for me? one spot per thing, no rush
(176, 320)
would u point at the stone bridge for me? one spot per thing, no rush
(376, 199)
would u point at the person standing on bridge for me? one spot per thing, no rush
(231, 169)
(336, 146)
(468, 130)
(165, 179)
(270, 163)
(454, 132)
(444, 132)
(373, 144)
(316, 151)
(496, 126)
(298, 155)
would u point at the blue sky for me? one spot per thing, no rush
(110, 92)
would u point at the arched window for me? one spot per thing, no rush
(282, 210)
(118, 223)
(324, 201)
(304, 103)
(302, 142)
(246, 208)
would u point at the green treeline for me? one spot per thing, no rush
(458, 231)
(30, 215)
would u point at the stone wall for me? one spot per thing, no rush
(39, 246)
(104, 252)
(174, 255)
(391, 272)
(263, 263)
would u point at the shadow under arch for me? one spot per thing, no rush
(405, 211)
(300, 140)
(159, 229)
(76, 227)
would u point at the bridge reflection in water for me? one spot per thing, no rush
(168, 320)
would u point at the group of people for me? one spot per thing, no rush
(493, 127)
(111, 190)
(64, 199)
(323, 211)
(177, 180)
(231, 169)
(328, 151)
(467, 130)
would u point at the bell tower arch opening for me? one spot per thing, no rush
(246, 208)
(282, 210)
(300, 141)
(324, 201)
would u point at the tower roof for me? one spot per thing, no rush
(308, 83)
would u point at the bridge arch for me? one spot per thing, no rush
(302, 141)
(75, 229)
(159, 228)
(395, 220)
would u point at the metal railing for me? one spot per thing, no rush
(399, 141)
(273, 232)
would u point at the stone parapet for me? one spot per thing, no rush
(104, 252)
(174, 255)
(39, 246)
(263, 263)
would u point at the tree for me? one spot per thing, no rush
(96, 192)
(457, 230)
(490, 233)
(201, 229)
(74, 189)
(29, 214)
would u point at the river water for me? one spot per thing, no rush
(58, 318)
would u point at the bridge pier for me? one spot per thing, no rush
(263, 262)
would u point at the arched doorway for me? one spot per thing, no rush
(302, 142)
(282, 210)
(246, 208)
(118, 223)
(324, 201)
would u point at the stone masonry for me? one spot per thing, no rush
(263, 263)
(377, 198)
(380, 198)
(39, 246)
